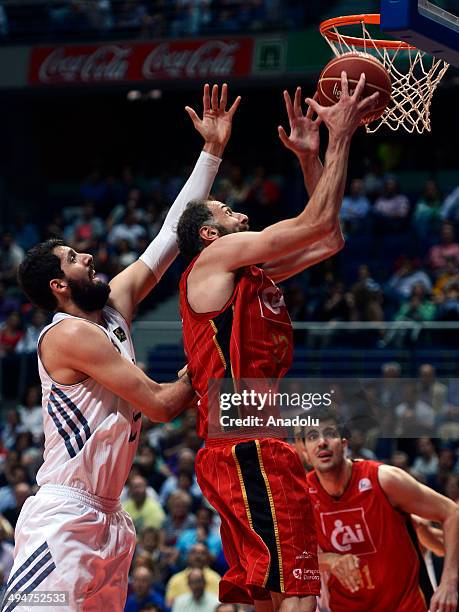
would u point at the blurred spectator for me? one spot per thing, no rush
(10, 334)
(4, 27)
(29, 341)
(446, 461)
(185, 463)
(30, 411)
(414, 417)
(426, 217)
(368, 296)
(356, 446)
(6, 551)
(430, 389)
(128, 230)
(151, 465)
(448, 248)
(401, 460)
(355, 207)
(25, 233)
(401, 283)
(14, 475)
(419, 307)
(22, 491)
(149, 544)
(87, 229)
(204, 532)
(133, 14)
(179, 517)
(99, 14)
(199, 599)
(143, 592)
(448, 310)
(144, 511)
(11, 256)
(7, 303)
(450, 207)
(198, 558)
(94, 189)
(452, 487)
(392, 208)
(426, 463)
(234, 189)
(10, 430)
(450, 273)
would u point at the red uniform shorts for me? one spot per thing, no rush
(267, 526)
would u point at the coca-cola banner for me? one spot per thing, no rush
(118, 62)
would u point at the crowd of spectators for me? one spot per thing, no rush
(152, 18)
(178, 561)
(400, 262)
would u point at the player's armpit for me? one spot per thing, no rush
(430, 537)
(287, 266)
(85, 348)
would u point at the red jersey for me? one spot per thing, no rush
(364, 523)
(249, 338)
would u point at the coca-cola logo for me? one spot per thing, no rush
(106, 63)
(213, 58)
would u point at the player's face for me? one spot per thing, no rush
(87, 291)
(324, 446)
(226, 218)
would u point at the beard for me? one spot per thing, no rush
(89, 296)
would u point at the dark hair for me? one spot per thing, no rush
(195, 215)
(39, 266)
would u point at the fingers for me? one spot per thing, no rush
(368, 102)
(214, 100)
(193, 116)
(289, 106)
(206, 98)
(360, 87)
(316, 107)
(234, 106)
(224, 97)
(310, 111)
(297, 103)
(344, 84)
(283, 136)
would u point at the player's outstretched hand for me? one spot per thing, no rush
(344, 117)
(304, 139)
(346, 569)
(445, 598)
(216, 122)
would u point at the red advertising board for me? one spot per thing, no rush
(125, 62)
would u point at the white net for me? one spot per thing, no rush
(414, 74)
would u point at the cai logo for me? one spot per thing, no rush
(347, 531)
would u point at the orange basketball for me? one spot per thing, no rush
(377, 79)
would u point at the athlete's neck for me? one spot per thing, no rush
(71, 309)
(336, 481)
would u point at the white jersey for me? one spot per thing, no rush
(91, 434)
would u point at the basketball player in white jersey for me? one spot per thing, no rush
(73, 536)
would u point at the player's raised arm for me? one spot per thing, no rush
(408, 495)
(94, 356)
(304, 142)
(318, 219)
(135, 282)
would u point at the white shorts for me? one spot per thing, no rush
(68, 540)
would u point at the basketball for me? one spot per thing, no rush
(377, 79)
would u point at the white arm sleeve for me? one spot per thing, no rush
(163, 249)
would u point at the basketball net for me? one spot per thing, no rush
(414, 74)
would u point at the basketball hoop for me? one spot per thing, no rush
(414, 74)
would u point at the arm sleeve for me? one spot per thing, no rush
(163, 249)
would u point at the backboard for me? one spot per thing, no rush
(430, 25)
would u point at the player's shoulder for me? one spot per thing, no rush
(71, 333)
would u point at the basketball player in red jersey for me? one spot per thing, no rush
(365, 533)
(235, 325)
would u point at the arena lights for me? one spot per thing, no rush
(134, 95)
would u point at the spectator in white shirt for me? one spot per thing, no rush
(199, 600)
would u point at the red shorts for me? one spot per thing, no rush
(267, 529)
